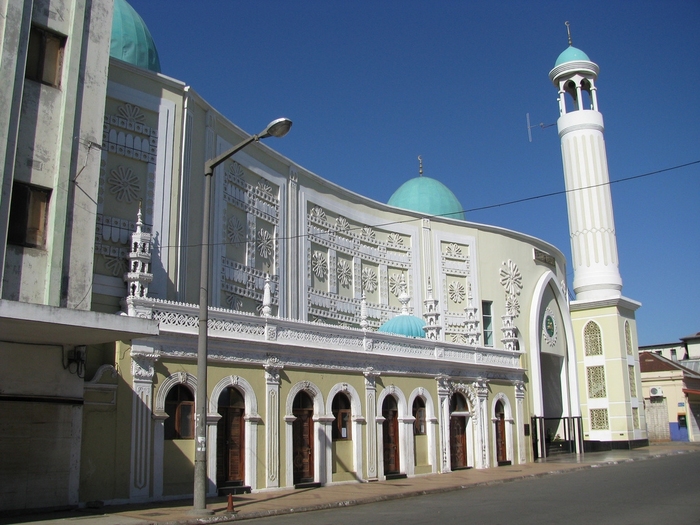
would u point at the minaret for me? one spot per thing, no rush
(603, 321)
(591, 223)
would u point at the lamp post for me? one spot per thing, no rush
(276, 128)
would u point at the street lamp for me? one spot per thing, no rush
(276, 128)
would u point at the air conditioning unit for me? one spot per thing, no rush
(656, 391)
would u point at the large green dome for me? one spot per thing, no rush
(429, 196)
(131, 40)
(571, 54)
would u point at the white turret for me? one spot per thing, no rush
(591, 223)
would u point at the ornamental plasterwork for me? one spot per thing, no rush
(394, 239)
(235, 233)
(131, 113)
(319, 265)
(459, 338)
(234, 302)
(369, 280)
(234, 173)
(549, 328)
(456, 291)
(117, 265)
(368, 232)
(265, 244)
(453, 250)
(342, 224)
(318, 213)
(124, 184)
(344, 273)
(395, 282)
(265, 188)
(512, 281)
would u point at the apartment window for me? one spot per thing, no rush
(45, 56)
(179, 405)
(28, 212)
(487, 318)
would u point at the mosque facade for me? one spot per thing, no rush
(348, 340)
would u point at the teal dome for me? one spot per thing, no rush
(429, 196)
(404, 324)
(131, 40)
(571, 54)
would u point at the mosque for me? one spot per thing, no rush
(348, 340)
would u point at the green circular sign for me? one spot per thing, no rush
(549, 325)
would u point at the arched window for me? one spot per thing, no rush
(179, 405)
(592, 340)
(419, 426)
(458, 403)
(343, 416)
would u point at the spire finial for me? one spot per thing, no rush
(568, 31)
(420, 166)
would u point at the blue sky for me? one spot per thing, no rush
(370, 85)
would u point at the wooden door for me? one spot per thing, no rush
(230, 441)
(458, 442)
(392, 464)
(501, 455)
(303, 445)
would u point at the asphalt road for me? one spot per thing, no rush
(656, 491)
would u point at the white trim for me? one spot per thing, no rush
(510, 422)
(357, 420)
(406, 419)
(320, 438)
(432, 422)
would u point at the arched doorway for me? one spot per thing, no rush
(459, 413)
(230, 440)
(420, 433)
(390, 413)
(500, 434)
(303, 438)
(342, 445)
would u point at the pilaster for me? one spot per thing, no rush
(272, 366)
(371, 376)
(142, 371)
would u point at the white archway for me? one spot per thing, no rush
(510, 423)
(357, 420)
(321, 437)
(432, 420)
(405, 419)
(252, 419)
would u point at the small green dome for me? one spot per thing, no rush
(571, 54)
(404, 324)
(131, 40)
(429, 196)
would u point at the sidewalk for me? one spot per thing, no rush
(286, 501)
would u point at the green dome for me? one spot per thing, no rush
(404, 324)
(571, 54)
(429, 196)
(131, 40)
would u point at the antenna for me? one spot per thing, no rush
(529, 127)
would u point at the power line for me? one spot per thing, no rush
(470, 210)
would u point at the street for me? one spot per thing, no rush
(653, 491)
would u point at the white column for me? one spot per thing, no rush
(142, 372)
(272, 415)
(482, 420)
(372, 424)
(212, 420)
(444, 390)
(519, 421)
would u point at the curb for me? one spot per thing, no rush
(410, 494)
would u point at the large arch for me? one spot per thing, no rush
(569, 379)
(357, 420)
(321, 438)
(252, 419)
